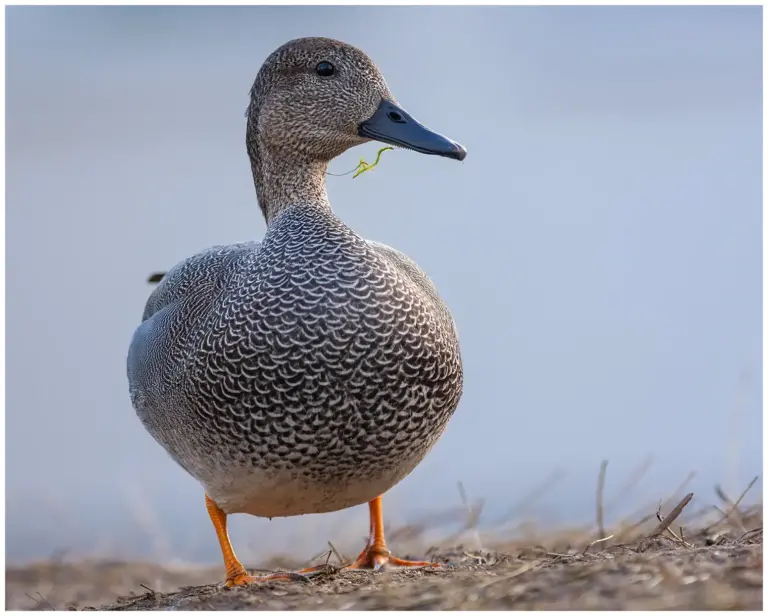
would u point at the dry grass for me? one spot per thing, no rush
(664, 557)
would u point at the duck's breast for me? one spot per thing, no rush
(323, 364)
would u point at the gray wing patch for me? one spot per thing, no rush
(186, 294)
(196, 278)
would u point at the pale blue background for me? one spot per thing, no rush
(600, 248)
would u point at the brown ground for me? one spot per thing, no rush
(643, 566)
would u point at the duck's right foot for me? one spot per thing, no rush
(376, 555)
(243, 579)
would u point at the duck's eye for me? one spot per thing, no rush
(325, 69)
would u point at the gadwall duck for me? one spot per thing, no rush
(313, 370)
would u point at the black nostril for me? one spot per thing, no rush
(395, 117)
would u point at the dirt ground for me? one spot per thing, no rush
(644, 566)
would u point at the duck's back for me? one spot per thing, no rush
(313, 357)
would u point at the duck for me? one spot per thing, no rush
(310, 371)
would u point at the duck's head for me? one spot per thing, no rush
(314, 98)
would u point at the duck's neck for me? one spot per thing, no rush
(283, 179)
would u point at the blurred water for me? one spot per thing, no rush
(600, 248)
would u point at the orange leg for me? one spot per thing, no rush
(376, 554)
(236, 573)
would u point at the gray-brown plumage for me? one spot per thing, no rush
(313, 370)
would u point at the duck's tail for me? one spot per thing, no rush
(156, 277)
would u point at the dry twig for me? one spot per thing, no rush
(336, 553)
(665, 523)
(733, 509)
(42, 598)
(749, 533)
(672, 534)
(326, 553)
(596, 541)
(473, 515)
(599, 498)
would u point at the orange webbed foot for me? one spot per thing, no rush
(376, 555)
(379, 558)
(243, 579)
(236, 573)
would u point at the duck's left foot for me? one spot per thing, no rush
(378, 557)
(236, 573)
